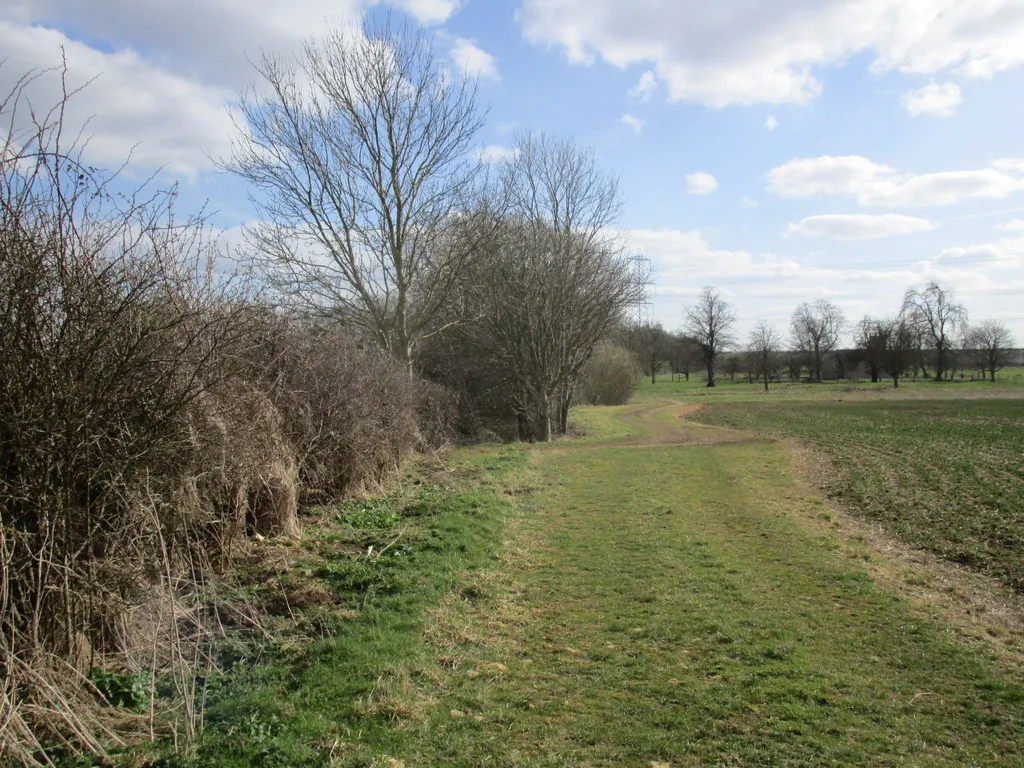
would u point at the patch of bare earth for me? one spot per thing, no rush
(973, 607)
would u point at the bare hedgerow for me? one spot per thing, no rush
(349, 409)
(121, 352)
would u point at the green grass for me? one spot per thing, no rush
(945, 475)
(1008, 380)
(328, 686)
(667, 606)
(650, 594)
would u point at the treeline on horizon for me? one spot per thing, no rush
(930, 336)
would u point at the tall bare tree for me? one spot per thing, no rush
(815, 329)
(896, 343)
(869, 340)
(652, 344)
(993, 344)
(938, 317)
(764, 346)
(709, 323)
(356, 153)
(552, 282)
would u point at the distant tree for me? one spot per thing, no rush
(764, 346)
(709, 323)
(938, 318)
(651, 343)
(794, 363)
(898, 344)
(869, 339)
(815, 329)
(684, 353)
(357, 155)
(993, 344)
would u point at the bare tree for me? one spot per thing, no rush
(683, 354)
(764, 346)
(816, 328)
(356, 153)
(938, 318)
(551, 281)
(709, 323)
(869, 340)
(896, 343)
(993, 343)
(651, 343)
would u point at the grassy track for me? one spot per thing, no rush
(663, 605)
(658, 598)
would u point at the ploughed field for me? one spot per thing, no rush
(944, 475)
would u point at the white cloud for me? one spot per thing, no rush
(688, 254)
(645, 88)
(1017, 225)
(880, 185)
(632, 122)
(1004, 254)
(771, 123)
(768, 51)
(130, 107)
(495, 153)
(860, 226)
(934, 99)
(428, 11)
(211, 41)
(473, 60)
(701, 183)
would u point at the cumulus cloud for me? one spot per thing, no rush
(680, 253)
(166, 71)
(701, 183)
(645, 88)
(211, 41)
(771, 123)
(632, 122)
(768, 51)
(873, 184)
(934, 99)
(860, 226)
(1017, 225)
(473, 60)
(128, 107)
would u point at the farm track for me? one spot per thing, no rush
(674, 596)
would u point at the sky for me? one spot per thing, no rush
(782, 151)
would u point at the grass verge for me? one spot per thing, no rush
(337, 680)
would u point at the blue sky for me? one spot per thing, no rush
(781, 150)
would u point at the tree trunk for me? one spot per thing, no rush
(711, 374)
(542, 424)
(564, 405)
